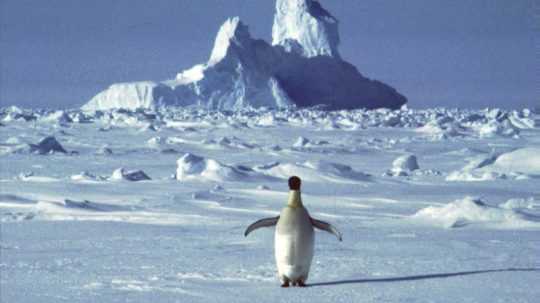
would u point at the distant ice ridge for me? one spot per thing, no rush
(431, 124)
(302, 67)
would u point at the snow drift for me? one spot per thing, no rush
(467, 211)
(314, 171)
(194, 167)
(524, 160)
(522, 163)
(302, 67)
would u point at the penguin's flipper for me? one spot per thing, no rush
(266, 222)
(326, 227)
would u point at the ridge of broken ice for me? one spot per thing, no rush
(433, 124)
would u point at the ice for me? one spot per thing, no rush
(87, 177)
(13, 113)
(121, 174)
(47, 145)
(301, 142)
(179, 236)
(404, 165)
(301, 68)
(129, 96)
(104, 150)
(305, 26)
(59, 117)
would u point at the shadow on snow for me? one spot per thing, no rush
(423, 277)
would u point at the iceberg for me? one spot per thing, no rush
(301, 68)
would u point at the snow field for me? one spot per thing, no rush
(76, 227)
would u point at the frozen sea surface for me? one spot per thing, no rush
(152, 206)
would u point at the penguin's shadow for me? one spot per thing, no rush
(423, 277)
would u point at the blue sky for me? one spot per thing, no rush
(437, 53)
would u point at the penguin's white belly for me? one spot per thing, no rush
(294, 241)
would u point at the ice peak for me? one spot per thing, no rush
(302, 68)
(307, 24)
(233, 31)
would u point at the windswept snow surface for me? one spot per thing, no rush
(432, 209)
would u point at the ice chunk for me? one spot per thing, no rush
(60, 117)
(404, 165)
(46, 146)
(86, 176)
(128, 175)
(301, 142)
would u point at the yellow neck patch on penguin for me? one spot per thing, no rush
(295, 199)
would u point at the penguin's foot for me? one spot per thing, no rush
(285, 283)
(301, 283)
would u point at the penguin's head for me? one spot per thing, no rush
(294, 183)
(295, 200)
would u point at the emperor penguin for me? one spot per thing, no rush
(294, 237)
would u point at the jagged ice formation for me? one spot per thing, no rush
(302, 67)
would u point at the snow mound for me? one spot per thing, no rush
(47, 145)
(156, 142)
(304, 144)
(475, 176)
(519, 204)
(233, 142)
(468, 211)
(524, 160)
(301, 142)
(519, 164)
(314, 171)
(404, 165)
(104, 151)
(302, 68)
(121, 174)
(191, 166)
(442, 131)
